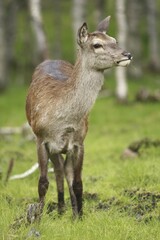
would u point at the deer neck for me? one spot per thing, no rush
(86, 83)
(85, 77)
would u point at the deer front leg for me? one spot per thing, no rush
(77, 183)
(69, 173)
(58, 163)
(73, 168)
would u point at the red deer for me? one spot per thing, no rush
(59, 100)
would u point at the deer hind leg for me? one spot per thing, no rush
(58, 163)
(35, 210)
(43, 167)
(73, 169)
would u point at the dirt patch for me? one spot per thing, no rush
(90, 196)
(142, 144)
(51, 206)
(144, 204)
(108, 204)
(145, 95)
(137, 147)
(141, 204)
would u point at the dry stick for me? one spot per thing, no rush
(18, 130)
(9, 170)
(28, 172)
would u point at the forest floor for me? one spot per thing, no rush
(121, 188)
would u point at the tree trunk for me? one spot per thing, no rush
(10, 20)
(99, 11)
(37, 25)
(78, 13)
(122, 88)
(153, 38)
(3, 60)
(134, 43)
(57, 47)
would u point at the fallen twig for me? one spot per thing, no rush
(28, 172)
(9, 170)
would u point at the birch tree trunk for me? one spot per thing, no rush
(3, 60)
(99, 10)
(134, 43)
(122, 88)
(78, 13)
(37, 25)
(11, 28)
(153, 38)
(57, 46)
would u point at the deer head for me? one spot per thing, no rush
(100, 50)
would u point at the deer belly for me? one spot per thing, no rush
(60, 142)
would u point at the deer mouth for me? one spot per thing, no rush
(124, 62)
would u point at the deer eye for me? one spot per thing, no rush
(97, 45)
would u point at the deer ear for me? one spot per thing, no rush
(103, 25)
(82, 34)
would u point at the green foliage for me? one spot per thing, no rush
(121, 196)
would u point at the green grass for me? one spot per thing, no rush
(122, 196)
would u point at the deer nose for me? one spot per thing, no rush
(126, 54)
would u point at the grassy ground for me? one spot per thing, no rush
(121, 196)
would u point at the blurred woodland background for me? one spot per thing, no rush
(33, 30)
(121, 167)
